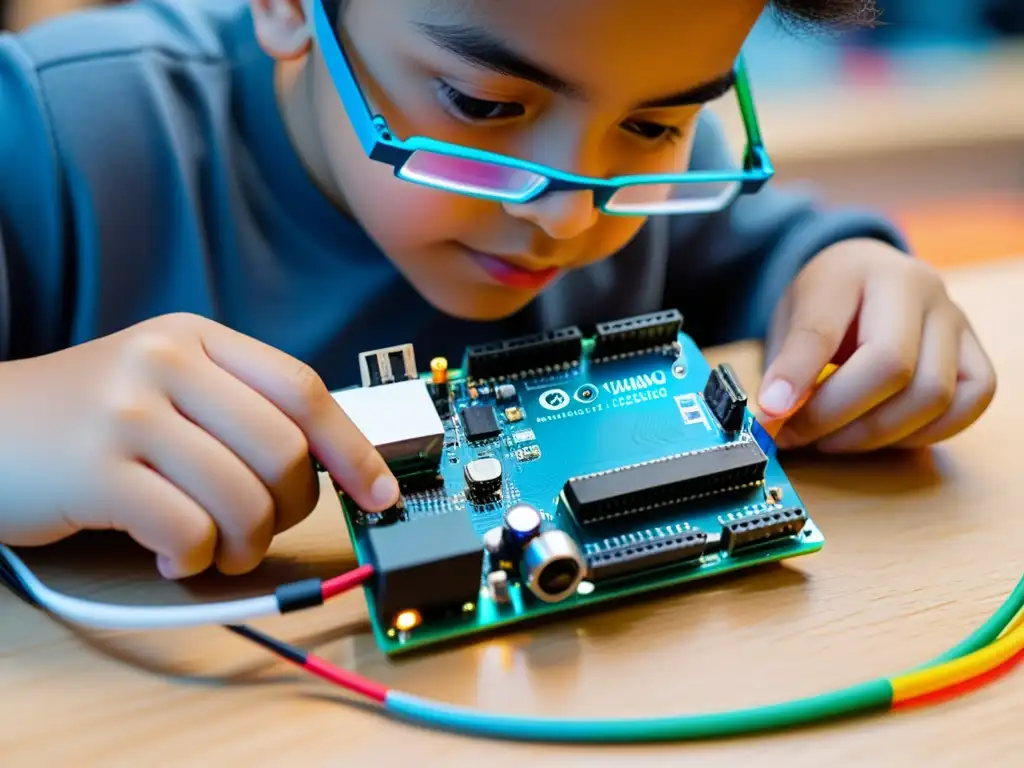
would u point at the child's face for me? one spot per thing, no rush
(482, 259)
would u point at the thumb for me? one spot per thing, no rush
(809, 342)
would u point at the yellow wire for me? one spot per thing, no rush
(919, 683)
(950, 673)
(1018, 620)
(827, 371)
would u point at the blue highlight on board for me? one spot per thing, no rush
(764, 441)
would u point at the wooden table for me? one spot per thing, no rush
(920, 550)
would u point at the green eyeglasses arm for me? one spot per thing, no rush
(747, 110)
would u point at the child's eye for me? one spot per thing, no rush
(471, 108)
(653, 131)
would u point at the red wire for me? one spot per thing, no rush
(314, 664)
(323, 668)
(345, 679)
(345, 582)
(962, 688)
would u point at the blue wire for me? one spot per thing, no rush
(872, 696)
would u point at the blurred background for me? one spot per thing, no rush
(922, 116)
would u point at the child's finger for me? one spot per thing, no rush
(773, 425)
(298, 391)
(811, 339)
(176, 528)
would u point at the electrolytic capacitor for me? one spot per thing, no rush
(522, 523)
(439, 376)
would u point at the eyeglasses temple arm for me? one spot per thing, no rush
(747, 110)
(341, 72)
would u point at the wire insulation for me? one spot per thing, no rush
(130, 617)
(988, 653)
(314, 664)
(289, 597)
(942, 695)
(947, 673)
(975, 664)
(990, 630)
(346, 581)
(918, 687)
(869, 697)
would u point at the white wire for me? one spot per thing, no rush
(129, 617)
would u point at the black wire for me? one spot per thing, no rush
(282, 649)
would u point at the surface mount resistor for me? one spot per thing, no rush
(505, 392)
(529, 453)
(498, 587)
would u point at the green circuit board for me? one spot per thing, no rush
(642, 473)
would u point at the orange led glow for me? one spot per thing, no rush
(407, 620)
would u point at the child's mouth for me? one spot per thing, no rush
(509, 275)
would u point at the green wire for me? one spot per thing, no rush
(867, 697)
(987, 632)
(860, 699)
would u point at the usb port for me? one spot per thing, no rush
(388, 365)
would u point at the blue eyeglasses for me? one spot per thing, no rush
(492, 176)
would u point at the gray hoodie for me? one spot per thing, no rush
(146, 170)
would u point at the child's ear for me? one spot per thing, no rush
(282, 28)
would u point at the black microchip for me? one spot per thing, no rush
(428, 564)
(642, 488)
(480, 423)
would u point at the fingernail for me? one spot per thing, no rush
(777, 397)
(167, 568)
(384, 491)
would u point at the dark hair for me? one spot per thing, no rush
(826, 13)
(800, 13)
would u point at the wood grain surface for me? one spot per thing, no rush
(921, 549)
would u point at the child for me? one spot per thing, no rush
(196, 243)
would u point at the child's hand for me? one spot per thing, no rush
(911, 371)
(192, 438)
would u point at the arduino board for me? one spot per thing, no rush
(560, 470)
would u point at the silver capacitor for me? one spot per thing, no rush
(552, 566)
(522, 524)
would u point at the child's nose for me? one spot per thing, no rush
(562, 215)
